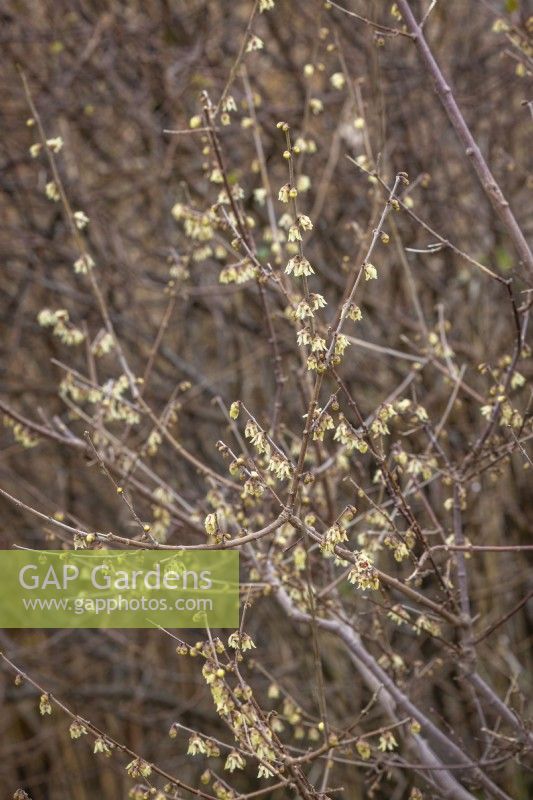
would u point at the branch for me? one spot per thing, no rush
(374, 675)
(486, 178)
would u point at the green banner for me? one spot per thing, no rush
(119, 589)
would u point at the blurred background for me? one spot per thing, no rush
(110, 78)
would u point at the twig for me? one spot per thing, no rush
(486, 178)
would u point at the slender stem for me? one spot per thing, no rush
(486, 178)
